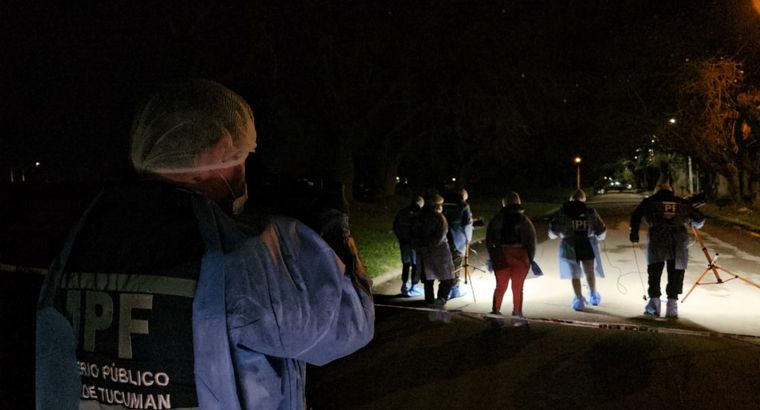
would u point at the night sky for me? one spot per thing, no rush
(574, 77)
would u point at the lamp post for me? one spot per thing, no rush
(577, 161)
(673, 121)
(35, 164)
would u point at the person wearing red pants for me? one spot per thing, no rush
(511, 243)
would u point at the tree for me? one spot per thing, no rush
(749, 106)
(708, 107)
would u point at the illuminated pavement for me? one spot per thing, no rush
(732, 307)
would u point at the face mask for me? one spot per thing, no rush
(238, 201)
(238, 204)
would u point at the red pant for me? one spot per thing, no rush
(510, 262)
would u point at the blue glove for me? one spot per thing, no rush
(489, 265)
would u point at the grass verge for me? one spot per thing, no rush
(372, 224)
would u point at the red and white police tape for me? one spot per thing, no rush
(628, 327)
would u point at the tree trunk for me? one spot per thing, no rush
(387, 170)
(754, 186)
(345, 169)
(734, 183)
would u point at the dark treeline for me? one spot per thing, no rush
(492, 93)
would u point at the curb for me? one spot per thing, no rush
(624, 327)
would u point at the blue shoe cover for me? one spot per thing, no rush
(653, 307)
(415, 291)
(457, 292)
(578, 303)
(595, 298)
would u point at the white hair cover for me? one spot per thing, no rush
(194, 126)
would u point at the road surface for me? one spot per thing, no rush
(732, 307)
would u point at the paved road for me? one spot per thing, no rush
(731, 307)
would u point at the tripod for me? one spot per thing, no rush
(712, 266)
(466, 267)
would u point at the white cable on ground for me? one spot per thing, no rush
(620, 287)
(638, 269)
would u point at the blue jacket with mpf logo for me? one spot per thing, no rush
(575, 223)
(264, 298)
(667, 216)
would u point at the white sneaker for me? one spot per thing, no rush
(653, 307)
(672, 308)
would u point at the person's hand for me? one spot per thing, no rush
(634, 237)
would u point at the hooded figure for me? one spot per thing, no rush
(511, 243)
(459, 217)
(165, 296)
(667, 216)
(429, 239)
(403, 227)
(580, 229)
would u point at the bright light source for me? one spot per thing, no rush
(577, 160)
(672, 120)
(36, 164)
(453, 180)
(398, 179)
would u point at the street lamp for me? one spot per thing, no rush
(23, 171)
(672, 121)
(577, 161)
(35, 164)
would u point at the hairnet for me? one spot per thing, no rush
(511, 198)
(578, 195)
(434, 199)
(663, 183)
(464, 194)
(417, 199)
(180, 126)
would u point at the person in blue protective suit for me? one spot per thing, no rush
(429, 239)
(167, 296)
(580, 229)
(459, 217)
(403, 226)
(667, 216)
